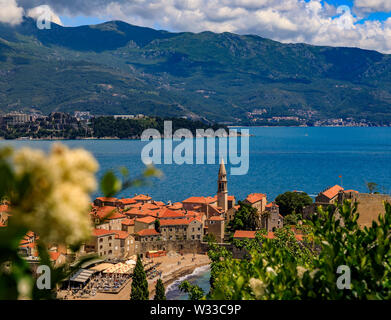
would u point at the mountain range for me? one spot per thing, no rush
(118, 68)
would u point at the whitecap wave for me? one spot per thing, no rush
(197, 271)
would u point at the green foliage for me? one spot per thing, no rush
(160, 292)
(293, 202)
(292, 219)
(283, 268)
(194, 291)
(372, 187)
(157, 225)
(139, 282)
(246, 218)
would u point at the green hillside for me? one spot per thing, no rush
(117, 68)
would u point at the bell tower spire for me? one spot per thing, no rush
(222, 190)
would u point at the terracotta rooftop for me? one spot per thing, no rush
(54, 255)
(272, 204)
(142, 197)
(216, 218)
(348, 191)
(108, 212)
(332, 192)
(101, 232)
(199, 200)
(148, 232)
(255, 197)
(128, 222)
(4, 208)
(128, 201)
(121, 234)
(104, 199)
(244, 234)
(168, 213)
(147, 220)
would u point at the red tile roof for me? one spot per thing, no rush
(348, 191)
(54, 255)
(102, 232)
(121, 234)
(148, 220)
(128, 222)
(4, 208)
(168, 213)
(104, 199)
(108, 212)
(216, 218)
(272, 204)
(199, 200)
(255, 197)
(128, 201)
(176, 206)
(332, 192)
(148, 232)
(142, 197)
(244, 234)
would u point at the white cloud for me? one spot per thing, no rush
(10, 12)
(373, 5)
(44, 11)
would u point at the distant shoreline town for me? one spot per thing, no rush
(85, 126)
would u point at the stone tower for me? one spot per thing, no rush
(222, 190)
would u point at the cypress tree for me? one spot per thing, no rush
(139, 283)
(160, 293)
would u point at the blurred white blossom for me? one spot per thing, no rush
(258, 287)
(57, 203)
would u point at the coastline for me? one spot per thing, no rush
(176, 275)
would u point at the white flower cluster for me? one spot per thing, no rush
(57, 200)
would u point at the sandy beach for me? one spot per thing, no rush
(172, 268)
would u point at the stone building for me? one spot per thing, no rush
(257, 201)
(370, 206)
(111, 244)
(271, 218)
(325, 199)
(216, 227)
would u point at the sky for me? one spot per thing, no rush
(353, 23)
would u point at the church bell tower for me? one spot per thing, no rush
(222, 190)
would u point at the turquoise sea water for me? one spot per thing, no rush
(200, 277)
(281, 159)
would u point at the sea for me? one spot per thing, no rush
(280, 159)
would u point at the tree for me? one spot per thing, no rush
(139, 282)
(194, 291)
(293, 202)
(160, 292)
(292, 219)
(372, 187)
(336, 248)
(157, 225)
(246, 218)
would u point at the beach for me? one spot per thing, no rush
(172, 267)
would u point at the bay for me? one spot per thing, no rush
(280, 159)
